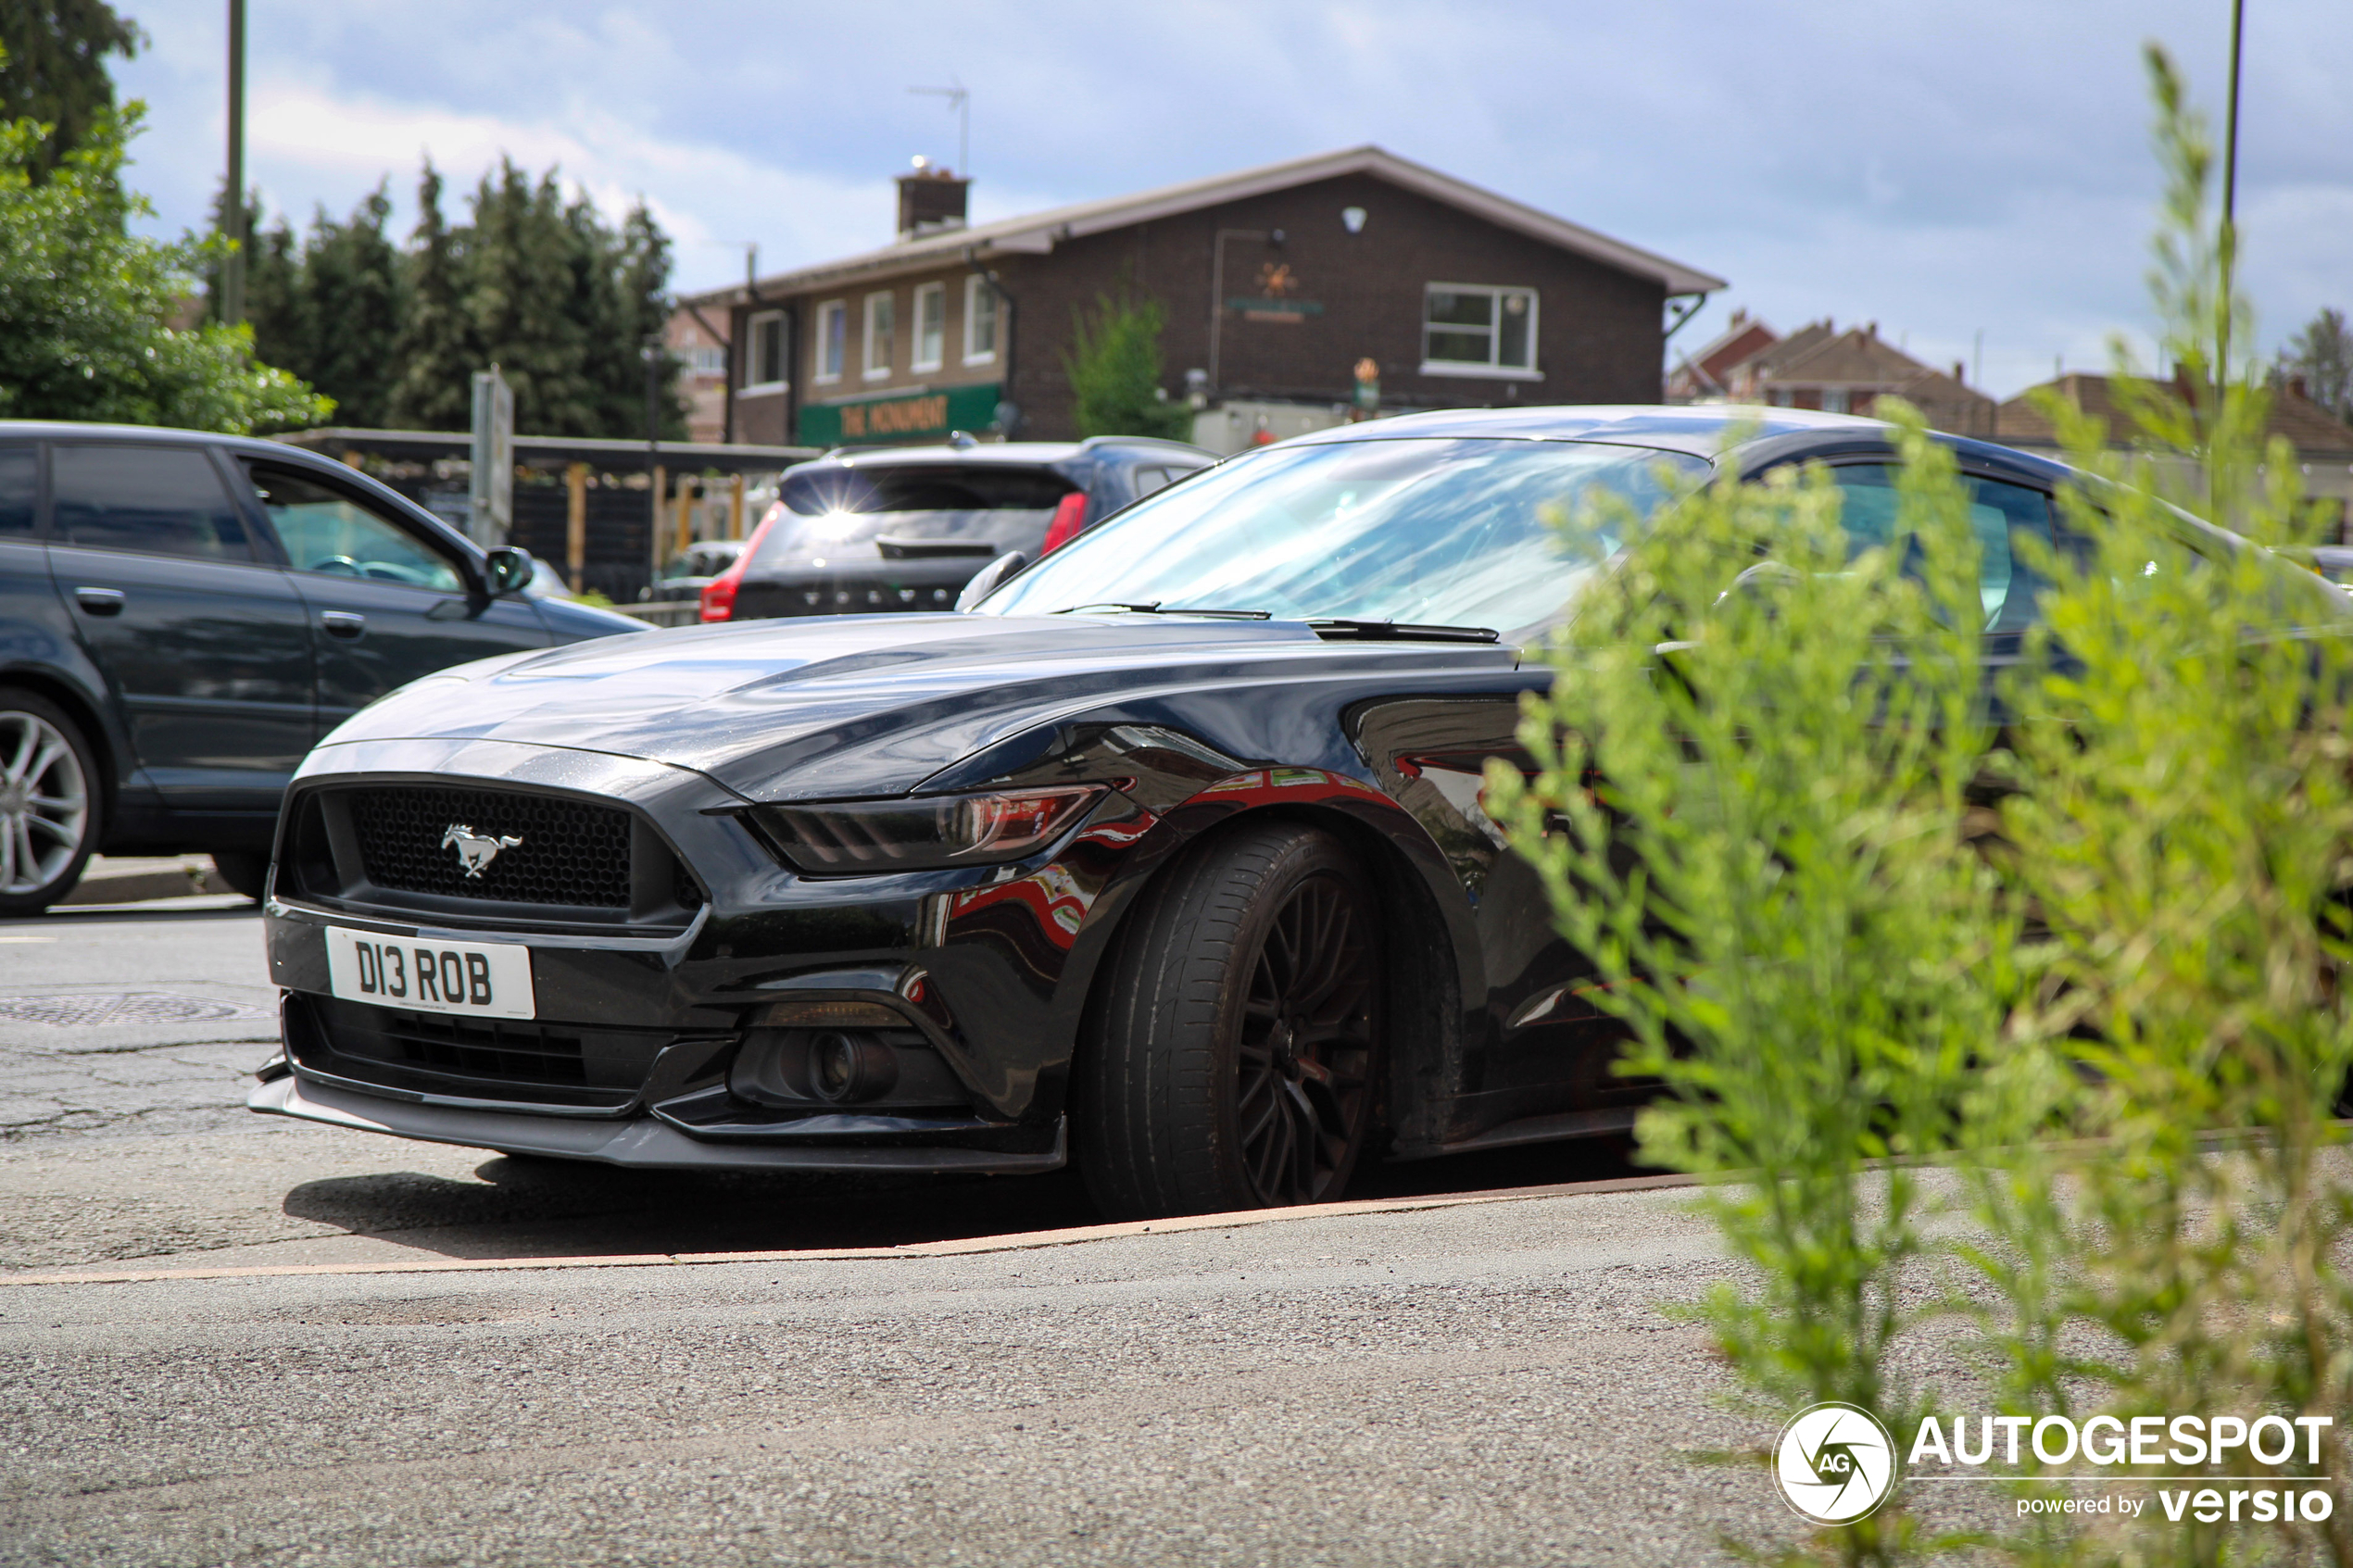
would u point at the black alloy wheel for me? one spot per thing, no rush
(1232, 1057)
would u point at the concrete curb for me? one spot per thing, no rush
(138, 881)
(965, 1247)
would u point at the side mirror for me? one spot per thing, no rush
(1764, 581)
(989, 578)
(510, 571)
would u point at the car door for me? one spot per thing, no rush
(388, 601)
(203, 639)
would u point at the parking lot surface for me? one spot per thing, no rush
(913, 1372)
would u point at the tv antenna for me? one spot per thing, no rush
(960, 99)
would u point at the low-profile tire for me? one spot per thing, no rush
(1232, 1056)
(244, 872)
(50, 802)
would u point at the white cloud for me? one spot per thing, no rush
(1941, 169)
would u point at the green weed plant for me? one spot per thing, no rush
(1752, 769)
(2082, 939)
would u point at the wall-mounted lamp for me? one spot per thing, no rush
(1352, 220)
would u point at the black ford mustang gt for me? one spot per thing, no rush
(1170, 859)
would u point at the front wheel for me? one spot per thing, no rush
(1233, 1059)
(49, 802)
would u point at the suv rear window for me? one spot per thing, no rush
(846, 511)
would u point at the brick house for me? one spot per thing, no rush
(1703, 375)
(2324, 442)
(1277, 282)
(1819, 367)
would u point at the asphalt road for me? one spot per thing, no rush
(345, 1349)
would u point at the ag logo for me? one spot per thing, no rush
(1835, 1463)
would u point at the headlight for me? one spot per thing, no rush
(949, 830)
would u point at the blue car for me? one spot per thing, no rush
(183, 615)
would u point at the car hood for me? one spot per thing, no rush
(851, 705)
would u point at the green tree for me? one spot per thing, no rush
(623, 280)
(86, 306)
(2322, 355)
(434, 347)
(53, 69)
(1113, 364)
(350, 307)
(519, 298)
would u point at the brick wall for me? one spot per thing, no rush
(1599, 332)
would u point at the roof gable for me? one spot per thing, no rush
(1039, 232)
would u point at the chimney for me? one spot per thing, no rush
(1959, 375)
(2295, 387)
(930, 199)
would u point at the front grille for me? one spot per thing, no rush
(568, 852)
(489, 1048)
(588, 1066)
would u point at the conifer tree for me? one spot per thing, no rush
(351, 310)
(517, 299)
(53, 69)
(434, 349)
(274, 305)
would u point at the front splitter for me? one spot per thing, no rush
(638, 1142)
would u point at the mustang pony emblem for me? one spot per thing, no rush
(475, 851)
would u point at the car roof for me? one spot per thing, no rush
(152, 434)
(1755, 435)
(1021, 454)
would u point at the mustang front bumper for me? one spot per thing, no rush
(642, 1142)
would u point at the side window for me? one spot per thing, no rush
(1997, 512)
(20, 487)
(1149, 479)
(156, 500)
(325, 531)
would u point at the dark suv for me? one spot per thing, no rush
(182, 616)
(905, 528)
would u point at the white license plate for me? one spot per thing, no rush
(488, 979)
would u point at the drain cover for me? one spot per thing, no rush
(91, 1010)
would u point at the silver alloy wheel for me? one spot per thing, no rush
(45, 803)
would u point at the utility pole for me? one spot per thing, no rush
(2230, 235)
(232, 266)
(652, 350)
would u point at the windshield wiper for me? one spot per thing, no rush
(1156, 607)
(1401, 631)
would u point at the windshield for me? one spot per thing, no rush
(982, 509)
(1446, 532)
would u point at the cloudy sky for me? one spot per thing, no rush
(1946, 171)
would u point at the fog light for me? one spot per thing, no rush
(844, 1067)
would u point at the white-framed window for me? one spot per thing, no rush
(764, 352)
(931, 327)
(882, 333)
(1834, 400)
(1480, 330)
(832, 334)
(980, 322)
